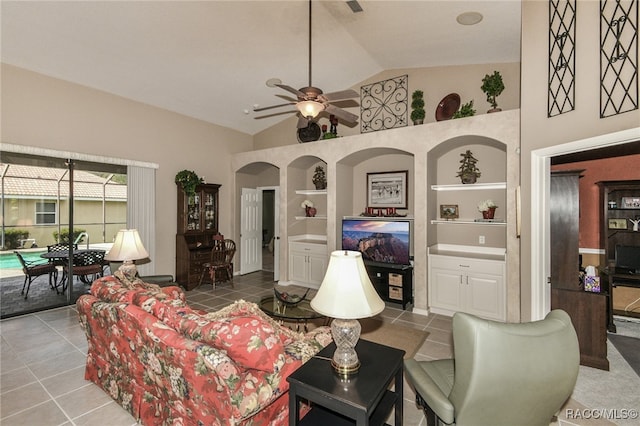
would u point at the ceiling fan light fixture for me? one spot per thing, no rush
(310, 108)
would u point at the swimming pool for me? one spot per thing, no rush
(9, 260)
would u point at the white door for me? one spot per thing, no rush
(250, 231)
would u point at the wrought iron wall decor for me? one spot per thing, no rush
(618, 56)
(562, 58)
(384, 105)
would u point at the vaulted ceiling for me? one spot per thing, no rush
(210, 59)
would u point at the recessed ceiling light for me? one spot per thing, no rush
(469, 18)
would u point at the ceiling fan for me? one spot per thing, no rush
(311, 100)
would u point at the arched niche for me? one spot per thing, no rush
(442, 169)
(351, 176)
(300, 187)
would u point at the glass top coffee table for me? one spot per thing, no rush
(300, 313)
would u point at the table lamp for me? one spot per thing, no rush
(126, 248)
(346, 294)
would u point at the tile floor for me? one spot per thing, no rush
(42, 359)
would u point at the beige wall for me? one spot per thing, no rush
(538, 131)
(435, 82)
(20, 214)
(44, 112)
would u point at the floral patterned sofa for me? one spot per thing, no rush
(167, 363)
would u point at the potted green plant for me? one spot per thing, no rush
(468, 172)
(319, 178)
(417, 104)
(465, 110)
(188, 180)
(492, 86)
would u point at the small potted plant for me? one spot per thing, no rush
(417, 104)
(465, 110)
(492, 86)
(319, 178)
(488, 209)
(188, 180)
(468, 172)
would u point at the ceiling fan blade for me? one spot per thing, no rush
(274, 114)
(340, 113)
(273, 106)
(343, 94)
(292, 90)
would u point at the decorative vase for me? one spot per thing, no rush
(489, 214)
(311, 211)
(320, 184)
(418, 122)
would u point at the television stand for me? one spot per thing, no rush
(394, 283)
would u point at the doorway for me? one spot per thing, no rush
(540, 183)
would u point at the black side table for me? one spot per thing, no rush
(364, 399)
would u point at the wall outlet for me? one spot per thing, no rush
(481, 239)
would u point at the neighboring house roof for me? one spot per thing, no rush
(42, 182)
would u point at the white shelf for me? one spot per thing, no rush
(311, 191)
(379, 217)
(470, 187)
(468, 222)
(311, 218)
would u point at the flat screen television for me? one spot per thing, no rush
(628, 258)
(379, 240)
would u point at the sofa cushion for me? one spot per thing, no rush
(248, 340)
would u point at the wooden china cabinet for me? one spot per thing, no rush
(197, 229)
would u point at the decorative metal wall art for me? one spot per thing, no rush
(562, 58)
(384, 105)
(618, 56)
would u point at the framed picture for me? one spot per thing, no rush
(387, 189)
(449, 211)
(617, 224)
(631, 202)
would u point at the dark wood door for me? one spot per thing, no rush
(588, 311)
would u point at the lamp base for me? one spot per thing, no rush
(345, 335)
(129, 270)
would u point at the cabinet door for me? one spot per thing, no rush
(298, 266)
(484, 296)
(317, 268)
(446, 289)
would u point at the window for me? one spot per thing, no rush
(46, 213)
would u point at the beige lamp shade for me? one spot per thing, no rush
(127, 247)
(346, 291)
(310, 108)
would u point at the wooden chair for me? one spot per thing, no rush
(33, 270)
(220, 267)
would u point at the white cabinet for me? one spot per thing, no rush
(465, 284)
(307, 262)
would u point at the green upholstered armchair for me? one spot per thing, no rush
(501, 374)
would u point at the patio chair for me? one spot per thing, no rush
(220, 266)
(87, 266)
(60, 247)
(33, 270)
